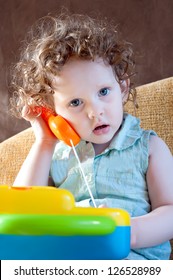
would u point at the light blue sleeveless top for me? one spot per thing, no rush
(117, 177)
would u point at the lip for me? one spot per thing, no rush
(102, 129)
(99, 124)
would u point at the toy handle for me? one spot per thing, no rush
(60, 127)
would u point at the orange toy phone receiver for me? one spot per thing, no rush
(60, 127)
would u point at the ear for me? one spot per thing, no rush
(125, 86)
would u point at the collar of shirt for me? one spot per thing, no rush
(129, 133)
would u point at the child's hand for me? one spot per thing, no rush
(40, 127)
(38, 161)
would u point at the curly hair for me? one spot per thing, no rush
(49, 45)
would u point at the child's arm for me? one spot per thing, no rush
(157, 226)
(35, 169)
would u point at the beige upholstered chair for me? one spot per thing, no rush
(155, 102)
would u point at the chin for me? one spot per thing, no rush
(103, 140)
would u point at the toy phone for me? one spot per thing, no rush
(60, 127)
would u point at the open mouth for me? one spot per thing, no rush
(101, 127)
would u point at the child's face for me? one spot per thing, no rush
(88, 96)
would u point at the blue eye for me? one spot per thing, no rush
(75, 103)
(104, 91)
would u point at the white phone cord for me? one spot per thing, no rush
(84, 177)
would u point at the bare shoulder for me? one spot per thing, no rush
(160, 157)
(157, 146)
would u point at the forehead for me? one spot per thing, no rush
(83, 71)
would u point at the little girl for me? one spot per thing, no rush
(79, 68)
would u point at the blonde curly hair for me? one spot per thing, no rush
(49, 45)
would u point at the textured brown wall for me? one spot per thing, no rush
(147, 24)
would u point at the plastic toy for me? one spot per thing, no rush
(60, 127)
(43, 223)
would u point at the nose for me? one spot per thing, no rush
(95, 111)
